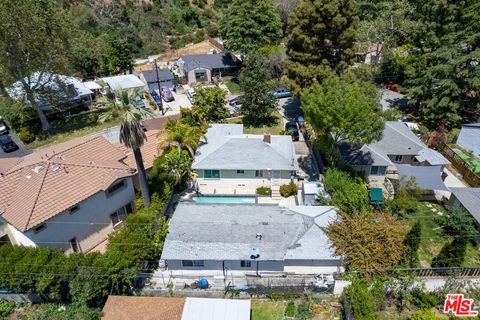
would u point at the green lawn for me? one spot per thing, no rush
(71, 127)
(232, 84)
(267, 310)
(433, 238)
(277, 128)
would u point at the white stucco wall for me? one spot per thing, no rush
(469, 138)
(90, 224)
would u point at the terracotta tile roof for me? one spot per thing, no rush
(149, 151)
(143, 308)
(39, 186)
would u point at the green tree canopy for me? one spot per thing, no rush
(344, 111)
(443, 81)
(321, 39)
(210, 103)
(249, 25)
(369, 240)
(34, 37)
(258, 104)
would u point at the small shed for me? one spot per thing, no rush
(311, 192)
(216, 309)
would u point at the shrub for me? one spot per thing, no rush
(26, 135)
(422, 299)
(303, 312)
(452, 254)
(348, 194)
(361, 300)
(290, 311)
(6, 308)
(425, 314)
(288, 190)
(264, 191)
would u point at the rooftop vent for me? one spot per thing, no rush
(37, 169)
(28, 177)
(255, 254)
(259, 236)
(55, 167)
(267, 138)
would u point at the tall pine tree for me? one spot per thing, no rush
(249, 25)
(444, 79)
(321, 39)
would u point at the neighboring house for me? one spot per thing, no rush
(201, 68)
(165, 78)
(368, 53)
(399, 153)
(223, 240)
(469, 138)
(69, 196)
(50, 88)
(124, 82)
(230, 162)
(175, 308)
(469, 199)
(393, 100)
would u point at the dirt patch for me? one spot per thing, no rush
(203, 47)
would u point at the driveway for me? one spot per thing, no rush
(22, 151)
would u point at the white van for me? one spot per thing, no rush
(190, 94)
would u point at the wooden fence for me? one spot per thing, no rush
(472, 178)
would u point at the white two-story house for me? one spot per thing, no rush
(231, 162)
(69, 196)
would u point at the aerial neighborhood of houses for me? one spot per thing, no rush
(266, 170)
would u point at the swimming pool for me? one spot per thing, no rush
(225, 199)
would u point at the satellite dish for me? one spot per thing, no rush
(255, 253)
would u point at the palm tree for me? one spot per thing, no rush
(181, 135)
(178, 167)
(131, 131)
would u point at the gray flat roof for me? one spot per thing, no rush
(228, 232)
(426, 177)
(470, 200)
(228, 149)
(163, 75)
(216, 309)
(208, 61)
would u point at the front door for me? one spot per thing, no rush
(276, 177)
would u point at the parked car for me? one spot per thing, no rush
(293, 129)
(155, 97)
(281, 93)
(235, 101)
(139, 103)
(7, 144)
(4, 129)
(190, 94)
(167, 94)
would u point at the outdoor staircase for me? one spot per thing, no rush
(276, 193)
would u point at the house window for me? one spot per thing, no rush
(129, 208)
(398, 158)
(74, 245)
(73, 209)
(378, 170)
(193, 263)
(118, 216)
(259, 173)
(240, 171)
(117, 186)
(245, 264)
(213, 174)
(40, 228)
(201, 76)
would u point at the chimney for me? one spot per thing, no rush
(267, 138)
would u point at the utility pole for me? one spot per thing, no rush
(159, 88)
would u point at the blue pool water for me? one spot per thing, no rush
(225, 199)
